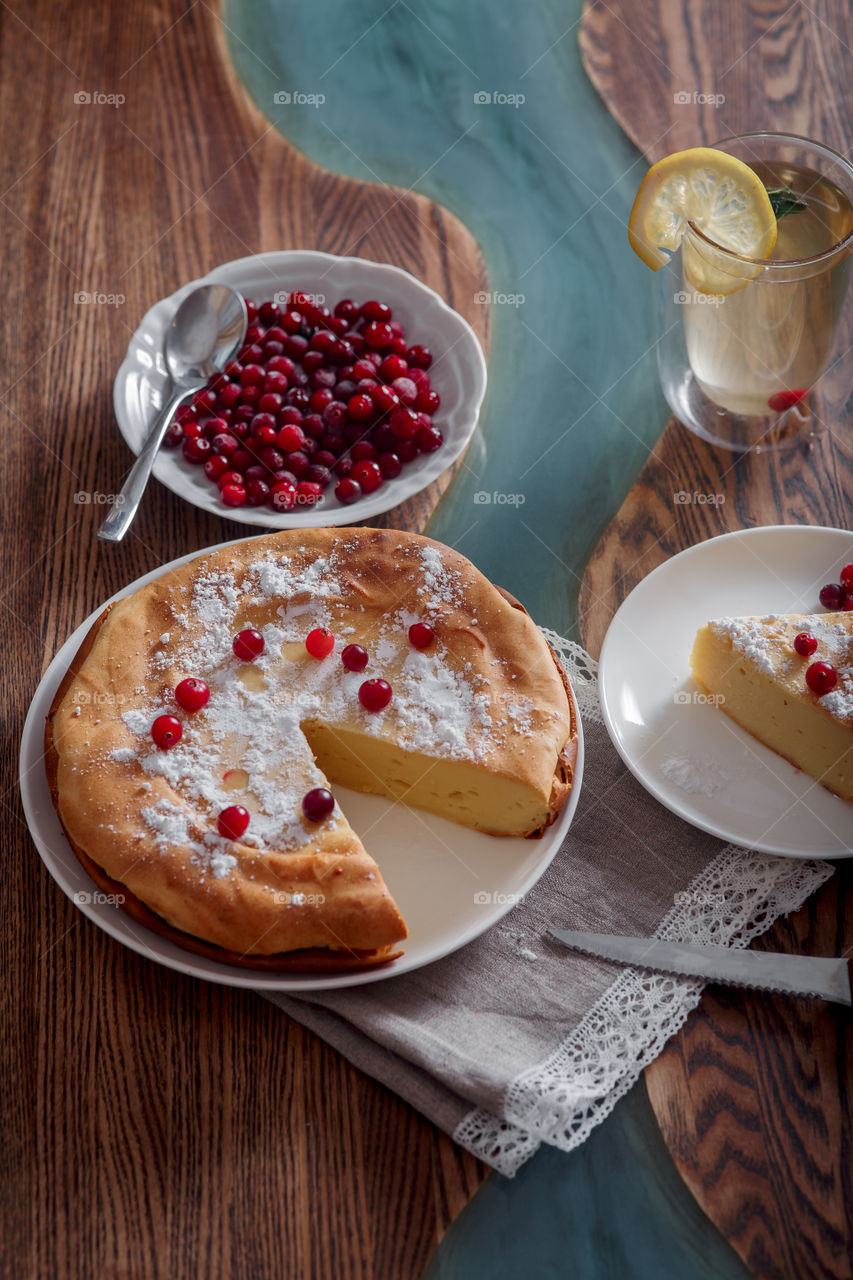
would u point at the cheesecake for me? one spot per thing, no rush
(377, 660)
(760, 673)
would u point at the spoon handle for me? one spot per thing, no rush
(127, 501)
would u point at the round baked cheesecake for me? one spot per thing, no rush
(194, 747)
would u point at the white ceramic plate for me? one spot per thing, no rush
(656, 714)
(458, 374)
(451, 884)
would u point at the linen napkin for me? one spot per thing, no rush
(514, 1040)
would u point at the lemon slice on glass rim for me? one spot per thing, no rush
(722, 198)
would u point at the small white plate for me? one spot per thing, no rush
(656, 714)
(450, 883)
(458, 374)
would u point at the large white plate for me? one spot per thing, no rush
(438, 872)
(656, 714)
(458, 374)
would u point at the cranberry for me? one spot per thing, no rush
(354, 657)
(280, 366)
(364, 369)
(173, 436)
(355, 431)
(240, 461)
(404, 423)
(360, 407)
(271, 349)
(282, 496)
(296, 346)
(251, 394)
(384, 399)
(308, 493)
(364, 451)
(384, 439)
(192, 430)
(251, 309)
(297, 463)
(420, 378)
(314, 426)
(324, 458)
(418, 356)
(254, 333)
(272, 459)
(344, 466)
(784, 400)
(233, 495)
(347, 309)
(166, 732)
(248, 645)
(393, 367)
(398, 345)
(232, 822)
(318, 475)
(846, 577)
(421, 635)
(290, 438)
(805, 644)
(318, 804)
(229, 477)
(229, 395)
(264, 422)
(332, 442)
(250, 354)
(290, 414)
(390, 465)
(374, 694)
(374, 310)
(832, 596)
(271, 402)
(215, 466)
(335, 414)
(821, 677)
(224, 444)
(196, 450)
(427, 401)
(192, 694)
(268, 312)
(428, 439)
(377, 334)
(406, 390)
(320, 642)
(347, 491)
(256, 472)
(319, 399)
(342, 352)
(368, 475)
(252, 375)
(406, 450)
(205, 399)
(257, 493)
(290, 321)
(184, 413)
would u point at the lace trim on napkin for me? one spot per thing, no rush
(728, 904)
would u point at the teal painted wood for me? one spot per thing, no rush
(572, 412)
(615, 1209)
(545, 186)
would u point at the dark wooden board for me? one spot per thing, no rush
(152, 1125)
(754, 1095)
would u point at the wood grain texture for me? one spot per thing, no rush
(152, 1125)
(754, 1095)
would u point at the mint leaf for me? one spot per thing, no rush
(784, 200)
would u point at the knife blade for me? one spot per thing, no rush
(824, 976)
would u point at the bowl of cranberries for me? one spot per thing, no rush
(356, 387)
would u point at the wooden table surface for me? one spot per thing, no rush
(153, 1125)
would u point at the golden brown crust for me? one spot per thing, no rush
(156, 893)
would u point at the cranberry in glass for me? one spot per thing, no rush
(318, 804)
(368, 475)
(166, 732)
(192, 694)
(248, 644)
(377, 334)
(390, 465)
(374, 694)
(347, 490)
(232, 822)
(420, 357)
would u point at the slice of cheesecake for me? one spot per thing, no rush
(758, 678)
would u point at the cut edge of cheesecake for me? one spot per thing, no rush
(751, 669)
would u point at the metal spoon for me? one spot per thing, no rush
(206, 332)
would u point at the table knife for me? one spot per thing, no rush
(824, 976)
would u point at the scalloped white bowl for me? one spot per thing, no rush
(458, 375)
